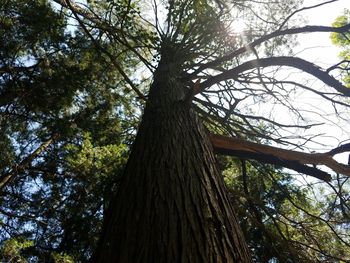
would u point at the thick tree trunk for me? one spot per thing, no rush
(172, 205)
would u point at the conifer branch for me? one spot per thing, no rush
(7, 177)
(103, 50)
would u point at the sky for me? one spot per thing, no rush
(325, 53)
(317, 48)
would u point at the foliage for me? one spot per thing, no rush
(53, 82)
(343, 41)
(11, 250)
(279, 217)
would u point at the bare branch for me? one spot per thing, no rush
(248, 47)
(303, 9)
(341, 149)
(298, 63)
(287, 158)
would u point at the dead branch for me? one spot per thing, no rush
(287, 158)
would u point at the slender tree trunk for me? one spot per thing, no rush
(172, 204)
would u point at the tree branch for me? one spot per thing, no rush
(7, 177)
(294, 62)
(103, 50)
(103, 25)
(248, 47)
(341, 149)
(303, 9)
(287, 158)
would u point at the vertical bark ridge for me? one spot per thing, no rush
(171, 206)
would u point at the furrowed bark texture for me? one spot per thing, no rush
(172, 205)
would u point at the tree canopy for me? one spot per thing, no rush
(75, 79)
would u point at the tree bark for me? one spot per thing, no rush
(172, 204)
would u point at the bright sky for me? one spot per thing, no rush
(323, 15)
(321, 51)
(316, 48)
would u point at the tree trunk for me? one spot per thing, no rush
(172, 204)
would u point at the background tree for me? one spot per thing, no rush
(71, 98)
(342, 40)
(65, 124)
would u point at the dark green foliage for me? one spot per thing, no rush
(54, 82)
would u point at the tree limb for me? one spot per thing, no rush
(7, 177)
(248, 47)
(287, 158)
(290, 31)
(103, 50)
(341, 149)
(294, 62)
(303, 9)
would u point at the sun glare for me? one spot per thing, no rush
(238, 26)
